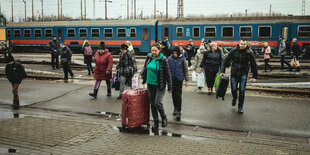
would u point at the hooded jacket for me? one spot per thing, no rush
(178, 66)
(241, 59)
(163, 77)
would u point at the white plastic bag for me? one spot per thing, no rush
(201, 82)
(194, 76)
(134, 83)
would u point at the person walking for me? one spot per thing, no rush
(282, 52)
(190, 51)
(126, 68)
(241, 58)
(55, 51)
(296, 52)
(267, 52)
(156, 74)
(179, 71)
(65, 59)
(88, 53)
(103, 69)
(183, 51)
(210, 63)
(15, 72)
(198, 59)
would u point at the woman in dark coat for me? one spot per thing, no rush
(15, 72)
(211, 63)
(103, 69)
(88, 53)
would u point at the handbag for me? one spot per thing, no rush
(295, 62)
(116, 82)
(201, 82)
(134, 83)
(63, 60)
(113, 81)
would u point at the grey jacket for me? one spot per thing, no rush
(197, 61)
(282, 48)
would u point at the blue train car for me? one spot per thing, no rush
(73, 33)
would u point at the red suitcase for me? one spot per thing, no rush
(135, 108)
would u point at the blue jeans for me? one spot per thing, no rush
(283, 61)
(242, 84)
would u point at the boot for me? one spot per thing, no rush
(94, 94)
(174, 112)
(155, 126)
(119, 97)
(178, 116)
(109, 91)
(164, 122)
(16, 104)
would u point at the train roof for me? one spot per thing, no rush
(85, 23)
(238, 20)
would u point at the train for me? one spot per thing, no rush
(35, 36)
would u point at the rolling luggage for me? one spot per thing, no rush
(222, 87)
(135, 108)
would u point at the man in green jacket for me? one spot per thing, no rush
(241, 58)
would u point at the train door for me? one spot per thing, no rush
(167, 33)
(285, 31)
(145, 39)
(59, 34)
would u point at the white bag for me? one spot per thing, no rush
(194, 76)
(201, 82)
(134, 83)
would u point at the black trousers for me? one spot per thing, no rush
(210, 76)
(55, 57)
(267, 64)
(66, 68)
(177, 94)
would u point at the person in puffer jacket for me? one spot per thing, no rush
(15, 72)
(179, 71)
(198, 59)
(156, 74)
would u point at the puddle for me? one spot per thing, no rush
(7, 150)
(148, 131)
(110, 114)
(5, 115)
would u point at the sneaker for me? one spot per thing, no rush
(174, 112)
(233, 102)
(240, 110)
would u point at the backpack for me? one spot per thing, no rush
(88, 50)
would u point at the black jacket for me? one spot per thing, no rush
(54, 45)
(164, 72)
(66, 54)
(211, 61)
(127, 64)
(241, 59)
(15, 72)
(296, 49)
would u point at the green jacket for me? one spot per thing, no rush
(241, 61)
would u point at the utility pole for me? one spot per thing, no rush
(154, 9)
(180, 12)
(32, 12)
(25, 10)
(127, 9)
(105, 10)
(42, 10)
(135, 9)
(166, 9)
(246, 12)
(94, 9)
(84, 9)
(270, 10)
(58, 9)
(81, 9)
(12, 11)
(303, 9)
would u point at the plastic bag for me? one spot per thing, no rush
(217, 79)
(201, 82)
(295, 62)
(194, 76)
(134, 83)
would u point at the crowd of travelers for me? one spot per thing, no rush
(165, 66)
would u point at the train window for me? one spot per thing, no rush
(9, 34)
(16, 33)
(245, 32)
(264, 31)
(27, 33)
(108, 33)
(121, 33)
(48, 33)
(83, 33)
(196, 32)
(210, 32)
(95, 33)
(37, 33)
(227, 32)
(133, 33)
(180, 32)
(71, 33)
(145, 34)
(304, 31)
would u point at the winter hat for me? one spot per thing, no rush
(102, 45)
(177, 49)
(124, 47)
(9, 58)
(281, 37)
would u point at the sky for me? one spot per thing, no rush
(118, 8)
